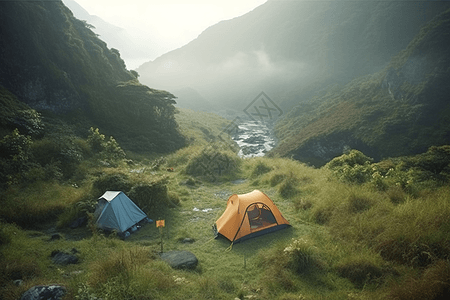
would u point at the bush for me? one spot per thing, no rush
(288, 187)
(213, 163)
(302, 256)
(153, 195)
(260, 169)
(111, 182)
(353, 167)
(359, 203)
(108, 150)
(14, 157)
(276, 179)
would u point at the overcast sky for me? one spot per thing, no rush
(170, 23)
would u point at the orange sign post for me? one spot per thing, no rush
(160, 224)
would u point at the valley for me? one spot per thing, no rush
(353, 150)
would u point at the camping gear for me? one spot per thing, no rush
(115, 211)
(249, 215)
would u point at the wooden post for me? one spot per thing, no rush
(160, 224)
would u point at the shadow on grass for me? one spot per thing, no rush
(255, 244)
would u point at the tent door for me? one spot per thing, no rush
(260, 216)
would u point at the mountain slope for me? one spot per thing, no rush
(289, 48)
(401, 110)
(56, 65)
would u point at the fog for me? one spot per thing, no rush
(289, 50)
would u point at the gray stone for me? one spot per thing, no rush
(18, 282)
(61, 258)
(187, 241)
(44, 292)
(180, 259)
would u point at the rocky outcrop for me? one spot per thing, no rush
(46, 292)
(63, 258)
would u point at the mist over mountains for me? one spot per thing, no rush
(289, 49)
(131, 48)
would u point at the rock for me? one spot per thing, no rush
(187, 241)
(64, 259)
(180, 259)
(49, 292)
(18, 282)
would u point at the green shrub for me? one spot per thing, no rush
(106, 149)
(14, 157)
(111, 182)
(289, 187)
(353, 167)
(276, 179)
(396, 194)
(359, 203)
(260, 168)
(302, 256)
(152, 195)
(352, 158)
(213, 163)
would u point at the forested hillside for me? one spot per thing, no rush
(55, 70)
(400, 110)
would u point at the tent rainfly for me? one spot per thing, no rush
(249, 215)
(116, 211)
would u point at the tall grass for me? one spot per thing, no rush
(38, 203)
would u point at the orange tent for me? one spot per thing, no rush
(249, 215)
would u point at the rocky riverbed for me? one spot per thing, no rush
(254, 139)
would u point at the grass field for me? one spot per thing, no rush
(353, 235)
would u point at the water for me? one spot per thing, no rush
(254, 139)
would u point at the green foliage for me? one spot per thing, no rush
(111, 182)
(108, 150)
(289, 187)
(352, 167)
(260, 168)
(213, 162)
(153, 195)
(96, 140)
(39, 202)
(15, 152)
(303, 257)
(15, 146)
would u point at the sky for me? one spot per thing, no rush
(169, 24)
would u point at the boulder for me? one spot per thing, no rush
(44, 292)
(64, 259)
(180, 259)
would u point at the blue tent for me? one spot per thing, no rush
(116, 211)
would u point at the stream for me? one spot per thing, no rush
(254, 139)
